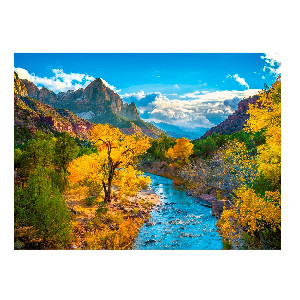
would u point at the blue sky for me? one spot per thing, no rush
(189, 91)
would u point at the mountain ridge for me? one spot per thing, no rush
(96, 103)
(234, 122)
(31, 115)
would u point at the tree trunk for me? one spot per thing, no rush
(106, 198)
(107, 189)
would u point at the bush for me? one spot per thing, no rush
(102, 209)
(90, 201)
(115, 233)
(41, 206)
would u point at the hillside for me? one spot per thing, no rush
(234, 122)
(96, 103)
(31, 115)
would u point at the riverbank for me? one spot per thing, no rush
(133, 210)
(204, 193)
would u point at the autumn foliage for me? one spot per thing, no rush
(256, 213)
(114, 164)
(181, 151)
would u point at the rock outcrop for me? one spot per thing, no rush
(218, 206)
(234, 122)
(31, 115)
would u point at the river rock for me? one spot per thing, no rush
(206, 199)
(150, 241)
(218, 206)
(149, 224)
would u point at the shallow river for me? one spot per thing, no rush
(179, 223)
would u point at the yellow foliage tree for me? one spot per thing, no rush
(114, 164)
(254, 213)
(266, 115)
(181, 151)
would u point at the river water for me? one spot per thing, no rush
(178, 223)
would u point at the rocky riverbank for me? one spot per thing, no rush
(208, 199)
(135, 208)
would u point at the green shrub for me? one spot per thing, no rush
(102, 209)
(90, 201)
(41, 206)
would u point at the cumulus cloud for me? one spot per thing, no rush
(137, 96)
(272, 63)
(23, 74)
(61, 81)
(239, 79)
(193, 94)
(110, 86)
(191, 110)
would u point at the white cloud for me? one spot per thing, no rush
(176, 86)
(110, 86)
(61, 81)
(23, 74)
(138, 96)
(239, 79)
(192, 112)
(193, 94)
(273, 63)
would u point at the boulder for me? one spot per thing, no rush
(206, 199)
(218, 206)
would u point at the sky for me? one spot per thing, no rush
(186, 93)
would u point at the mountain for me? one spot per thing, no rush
(96, 103)
(236, 121)
(177, 132)
(31, 114)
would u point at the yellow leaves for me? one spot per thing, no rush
(130, 181)
(86, 167)
(115, 232)
(267, 116)
(114, 163)
(252, 212)
(110, 141)
(182, 150)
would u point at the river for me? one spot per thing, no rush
(178, 223)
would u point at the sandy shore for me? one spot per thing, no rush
(148, 196)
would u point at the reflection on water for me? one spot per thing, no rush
(178, 223)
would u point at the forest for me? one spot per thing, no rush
(73, 193)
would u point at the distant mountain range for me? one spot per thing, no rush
(96, 103)
(177, 132)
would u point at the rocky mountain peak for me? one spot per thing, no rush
(96, 103)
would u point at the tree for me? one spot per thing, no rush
(181, 151)
(38, 152)
(40, 205)
(65, 150)
(256, 212)
(115, 162)
(266, 116)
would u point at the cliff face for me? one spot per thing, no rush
(234, 122)
(98, 104)
(31, 115)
